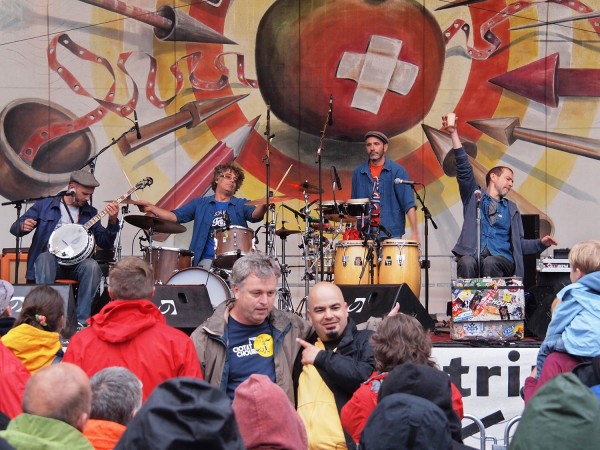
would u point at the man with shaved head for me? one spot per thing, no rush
(333, 363)
(56, 406)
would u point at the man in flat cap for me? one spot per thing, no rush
(390, 203)
(47, 215)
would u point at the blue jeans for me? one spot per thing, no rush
(87, 273)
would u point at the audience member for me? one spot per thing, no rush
(399, 339)
(131, 332)
(248, 336)
(34, 338)
(6, 319)
(56, 407)
(564, 413)
(429, 383)
(14, 377)
(266, 418)
(181, 414)
(403, 422)
(116, 397)
(334, 361)
(575, 325)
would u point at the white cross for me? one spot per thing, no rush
(376, 72)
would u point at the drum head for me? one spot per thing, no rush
(218, 290)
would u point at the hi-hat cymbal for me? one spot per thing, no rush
(272, 199)
(156, 225)
(305, 187)
(285, 232)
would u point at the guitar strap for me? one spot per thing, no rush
(68, 211)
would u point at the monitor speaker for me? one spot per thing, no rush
(184, 306)
(376, 300)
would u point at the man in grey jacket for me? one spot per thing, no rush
(502, 238)
(247, 335)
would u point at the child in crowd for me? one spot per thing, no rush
(575, 324)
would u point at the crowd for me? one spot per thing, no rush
(252, 376)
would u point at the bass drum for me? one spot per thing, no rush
(218, 290)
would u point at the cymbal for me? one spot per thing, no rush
(157, 225)
(272, 199)
(285, 232)
(306, 187)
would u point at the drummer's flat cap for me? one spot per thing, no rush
(84, 178)
(377, 134)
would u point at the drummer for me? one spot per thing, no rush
(212, 213)
(390, 202)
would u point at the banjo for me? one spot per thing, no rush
(72, 243)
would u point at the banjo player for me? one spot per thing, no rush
(48, 215)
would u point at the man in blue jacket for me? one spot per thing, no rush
(47, 215)
(376, 181)
(502, 238)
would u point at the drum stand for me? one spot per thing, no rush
(284, 294)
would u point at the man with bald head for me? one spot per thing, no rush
(332, 364)
(56, 406)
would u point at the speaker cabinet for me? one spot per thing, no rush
(66, 293)
(531, 230)
(376, 300)
(184, 306)
(8, 265)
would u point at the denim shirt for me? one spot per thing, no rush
(396, 199)
(495, 234)
(202, 210)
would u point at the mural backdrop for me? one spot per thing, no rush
(207, 78)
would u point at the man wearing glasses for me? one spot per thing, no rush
(214, 212)
(502, 243)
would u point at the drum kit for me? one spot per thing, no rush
(349, 256)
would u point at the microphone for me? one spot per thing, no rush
(336, 180)
(477, 194)
(385, 230)
(401, 181)
(330, 113)
(256, 235)
(136, 125)
(69, 193)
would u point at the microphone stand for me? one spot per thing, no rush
(321, 222)
(267, 161)
(18, 204)
(478, 221)
(92, 161)
(425, 264)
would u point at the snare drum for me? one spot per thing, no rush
(217, 288)
(400, 264)
(166, 261)
(350, 259)
(231, 244)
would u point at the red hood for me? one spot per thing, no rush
(121, 320)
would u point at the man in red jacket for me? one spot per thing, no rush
(131, 332)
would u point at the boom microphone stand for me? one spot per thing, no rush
(267, 161)
(328, 122)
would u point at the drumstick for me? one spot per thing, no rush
(284, 175)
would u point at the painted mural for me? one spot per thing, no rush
(170, 89)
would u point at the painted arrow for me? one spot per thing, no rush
(190, 115)
(544, 82)
(507, 131)
(170, 24)
(197, 181)
(441, 144)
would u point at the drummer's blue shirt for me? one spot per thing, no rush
(202, 211)
(396, 199)
(219, 221)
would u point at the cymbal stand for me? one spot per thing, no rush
(270, 231)
(306, 239)
(284, 294)
(118, 247)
